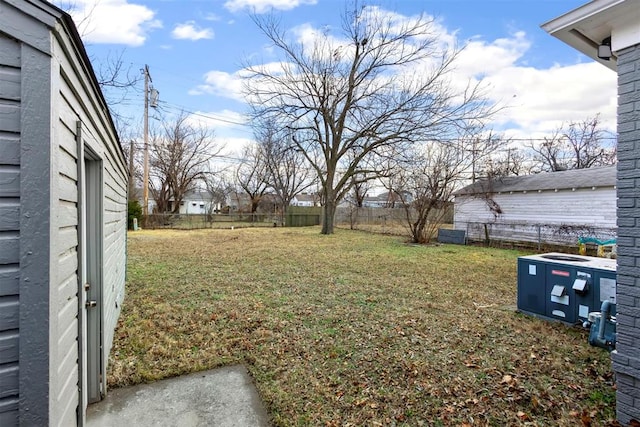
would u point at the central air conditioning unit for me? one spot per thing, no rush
(566, 287)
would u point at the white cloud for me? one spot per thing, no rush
(212, 17)
(535, 101)
(190, 31)
(262, 6)
(481, 58)
(540, 100)
(112, 21)
(220, 83)
(233, 146)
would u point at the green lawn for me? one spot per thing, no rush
(355, 329)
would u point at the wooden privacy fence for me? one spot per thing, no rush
(233, 220)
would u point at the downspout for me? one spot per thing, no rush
(599, 339)
(605, 312)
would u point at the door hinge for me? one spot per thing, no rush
(91, 303)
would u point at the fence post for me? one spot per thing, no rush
(486, 234)
(539, 237)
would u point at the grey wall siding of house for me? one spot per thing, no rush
(9, 227)
(24, 194)
(626, 357)
(115, 240)
(48, 99)
(64, 241)
(35, 231)
(81, 106)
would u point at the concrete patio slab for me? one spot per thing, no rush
(224, 397)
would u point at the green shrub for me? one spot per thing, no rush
(134, 211)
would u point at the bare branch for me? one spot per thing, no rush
(576, 145)
(382, 88)
(180, 158)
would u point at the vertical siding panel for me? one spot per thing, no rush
(35, 231)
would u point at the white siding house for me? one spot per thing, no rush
(305, 200)
(63, 218)
(198, 203)
(581, 197)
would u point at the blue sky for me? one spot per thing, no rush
(195, 50)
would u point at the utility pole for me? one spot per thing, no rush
(145, 177)
(149, 92)
(132, 184)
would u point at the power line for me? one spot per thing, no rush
(242, 127)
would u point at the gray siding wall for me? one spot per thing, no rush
(64, 278)
(626, 357)
(9, 227)
(76, 103)
(25, 132)
(46, 91)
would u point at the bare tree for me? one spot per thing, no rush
(355, 198)
(287, 171)
(219, 190)
(359, 191)
(578, 145)
(384, 85)
(180, 156)
(426, 179)
(501, 162)
(251, 175)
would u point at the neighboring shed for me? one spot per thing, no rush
(574, 198)
(63, 218)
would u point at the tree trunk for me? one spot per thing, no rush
(328, 215)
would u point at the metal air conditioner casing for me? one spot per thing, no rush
(565, 287)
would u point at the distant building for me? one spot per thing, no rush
(197, 202)
(579, 196)
(304, 199)
(387, 199)
(238, 202)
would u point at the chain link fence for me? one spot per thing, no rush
(534, 235)
(386, 220)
